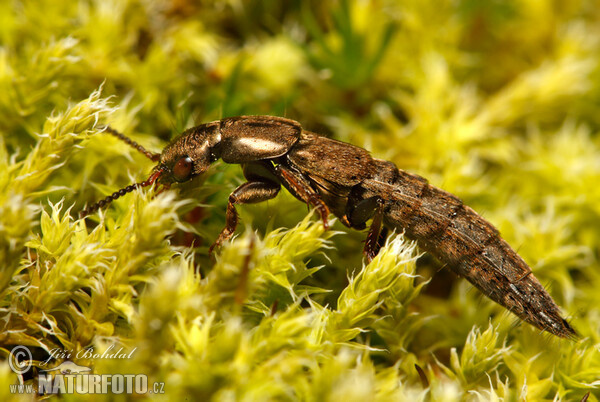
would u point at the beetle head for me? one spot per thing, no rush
(186, 157)
(189, 155)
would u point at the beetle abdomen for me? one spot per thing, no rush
(471, 246)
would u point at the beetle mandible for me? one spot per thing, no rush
(337, 177)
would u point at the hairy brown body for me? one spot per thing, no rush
(468, 244)
(439, 221)
(335, 176)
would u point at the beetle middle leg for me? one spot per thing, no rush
(301, 189)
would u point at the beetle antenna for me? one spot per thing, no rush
(150, 155)
(102, 203)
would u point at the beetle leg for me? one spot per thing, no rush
(376, 236)
(301, 189)
(248, 193)
(375, 239)
(358, 213)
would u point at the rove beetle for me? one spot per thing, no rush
(333, 176)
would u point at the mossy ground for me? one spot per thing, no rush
(496, 102)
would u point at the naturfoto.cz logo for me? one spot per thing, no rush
(71, 378)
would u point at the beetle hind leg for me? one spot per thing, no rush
(248, 193)
(358, 214)
(377, 233)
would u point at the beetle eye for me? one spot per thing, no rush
(183, 169)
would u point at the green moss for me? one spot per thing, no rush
(496, 103)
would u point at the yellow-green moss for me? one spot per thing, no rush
(494, 101)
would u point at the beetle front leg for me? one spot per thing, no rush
(301, 189)
(248, 193)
